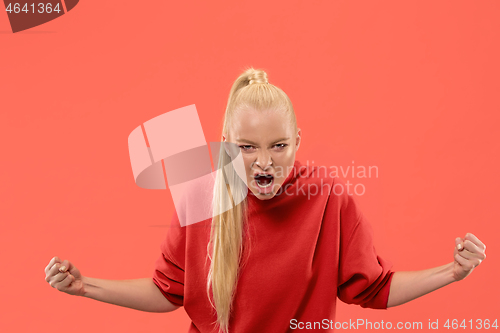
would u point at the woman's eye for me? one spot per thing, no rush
(279, 146)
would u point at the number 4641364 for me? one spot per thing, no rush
(40, 8)
(478, 324)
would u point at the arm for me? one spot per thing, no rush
(140, 294)
(406, 286)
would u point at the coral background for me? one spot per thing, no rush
(408, 86)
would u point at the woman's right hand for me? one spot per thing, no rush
(68, 281)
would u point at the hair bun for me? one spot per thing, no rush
(256, 76)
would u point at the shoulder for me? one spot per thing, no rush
(342, 190)
(342, 203)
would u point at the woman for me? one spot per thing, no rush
(283, 251)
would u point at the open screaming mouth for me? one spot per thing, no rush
(264, 180)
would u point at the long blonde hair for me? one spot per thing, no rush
(229, 223)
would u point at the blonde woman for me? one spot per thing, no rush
(294, 241)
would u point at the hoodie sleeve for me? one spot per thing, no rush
(168, 273)
(364, 277)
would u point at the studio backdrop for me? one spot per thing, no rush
(405, 89)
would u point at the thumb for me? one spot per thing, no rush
(64, 266)
(459, 243)
(71, 269)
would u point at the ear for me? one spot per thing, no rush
(226, 144)
(297, 140)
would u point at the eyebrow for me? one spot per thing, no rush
(253, 143)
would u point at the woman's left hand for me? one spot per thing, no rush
(469, 253)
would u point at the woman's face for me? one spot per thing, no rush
(268, 144)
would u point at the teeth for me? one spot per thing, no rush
(264, 186)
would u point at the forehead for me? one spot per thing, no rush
(260, 125)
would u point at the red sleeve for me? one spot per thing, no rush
(364, 277)
(169, 267)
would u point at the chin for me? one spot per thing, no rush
(264, 196)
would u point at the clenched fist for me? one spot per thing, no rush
(469, 253)
(65, 277)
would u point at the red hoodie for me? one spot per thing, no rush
(309, 245)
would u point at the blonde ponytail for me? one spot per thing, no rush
(229, 223)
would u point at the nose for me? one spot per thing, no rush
(264, 162)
